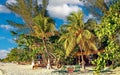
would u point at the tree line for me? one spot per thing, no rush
(39, 35)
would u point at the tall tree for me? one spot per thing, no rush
(109, 31)
(36, 18)
(91, 25)
(28, 9)
(44, 28)
(76, 35)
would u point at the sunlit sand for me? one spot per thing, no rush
(15, 69)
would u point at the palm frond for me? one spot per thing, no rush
(16, 25)
(79, 38)
(86, 34)
(13, 33)
(71, 45)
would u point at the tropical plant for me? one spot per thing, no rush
(27, 9)
(14, 55)
(44, 28)
(108, 32)
(31, 43)
(91, 25)
(58, 52)
(76, 35)
(36, 21)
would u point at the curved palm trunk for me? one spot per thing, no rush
(48, 60)
(32, 63)
(82, 57)
(83, 62)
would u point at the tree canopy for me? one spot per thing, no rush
(109, 32)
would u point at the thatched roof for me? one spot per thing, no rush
(88, 52)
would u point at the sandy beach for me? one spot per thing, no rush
(15, 69)
(1, 72)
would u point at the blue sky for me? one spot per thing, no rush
(58, 10)
(6, 40)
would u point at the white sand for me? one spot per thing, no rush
(14, 69)
(1, 72)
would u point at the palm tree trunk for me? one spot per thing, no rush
(83, 62)
(48, 58)
(82, 57)
(32, 63)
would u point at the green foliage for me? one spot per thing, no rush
(100, 63)
(112, 52)
(59, 53)
(108, 30)
(110, 23)
(44, 27)
(40, 27)
(91, 25)
(18, 55)
(76, 33)
(31, 43)
(26, 9)
(14, 55)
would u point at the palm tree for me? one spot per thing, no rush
(91, 24)
(28, 9)
(44, 28)
(75, 34)
(35, 18)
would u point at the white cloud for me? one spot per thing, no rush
(4, 9)
(59, 8)
(61, 11)
(11, 1)
(61, 2)
(7, 27)
(3, 53)
(62, 8)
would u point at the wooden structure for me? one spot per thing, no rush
(88, 52)
(87, 56)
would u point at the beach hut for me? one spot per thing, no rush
(88, 56)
